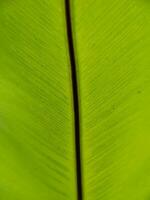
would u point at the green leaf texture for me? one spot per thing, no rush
(36, 120)
(113, 47)
(37, 133)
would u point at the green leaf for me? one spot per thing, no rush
(36, 118)
(37, 132)
(113, 47)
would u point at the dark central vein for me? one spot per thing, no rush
(75, 99)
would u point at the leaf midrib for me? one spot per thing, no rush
(75, 99)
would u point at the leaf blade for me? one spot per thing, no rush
(112, 45)
(37, 147)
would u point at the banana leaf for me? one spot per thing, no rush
(74, 100)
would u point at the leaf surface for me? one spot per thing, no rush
(36, 120)
(112, 40)
(37, 134)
